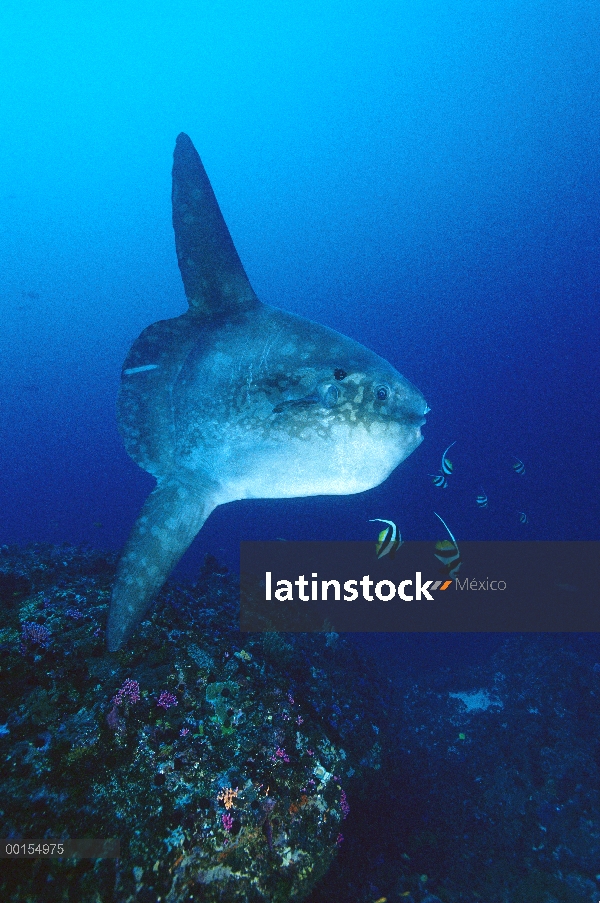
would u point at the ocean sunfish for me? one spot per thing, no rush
(235, 399)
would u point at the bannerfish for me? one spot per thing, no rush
(235, 399)
(482, 499)
(389, 540)
(446, 463)
(447, 552)
(518, 466)
(439, 480)
(523, 519)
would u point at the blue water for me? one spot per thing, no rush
(423, 178)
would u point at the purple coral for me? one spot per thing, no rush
(130, 692)
(33, 634)
(344, 805)
(227, 820)
(166, 700)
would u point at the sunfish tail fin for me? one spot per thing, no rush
(214, 279)
(170, 519)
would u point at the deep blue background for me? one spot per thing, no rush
(423, 177)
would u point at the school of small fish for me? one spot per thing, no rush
(481, 499)
(446, 551)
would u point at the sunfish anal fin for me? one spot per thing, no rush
(170, 519)
(214, 279)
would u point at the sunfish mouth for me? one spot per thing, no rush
(425, 413)
(418, 417)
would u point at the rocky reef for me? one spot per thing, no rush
(222, 762)
(285, 767)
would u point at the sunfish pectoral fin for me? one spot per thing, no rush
(170, 519)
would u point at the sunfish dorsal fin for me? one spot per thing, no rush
(213, 276)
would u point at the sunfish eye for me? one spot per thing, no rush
(381, 393)
(329, 396)
(340, 374)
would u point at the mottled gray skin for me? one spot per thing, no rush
(235, 399)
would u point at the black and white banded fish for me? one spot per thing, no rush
(482, 499)
(446, 463)
(447, 552)
(389, 540)
(439, 480)
(518, 466)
